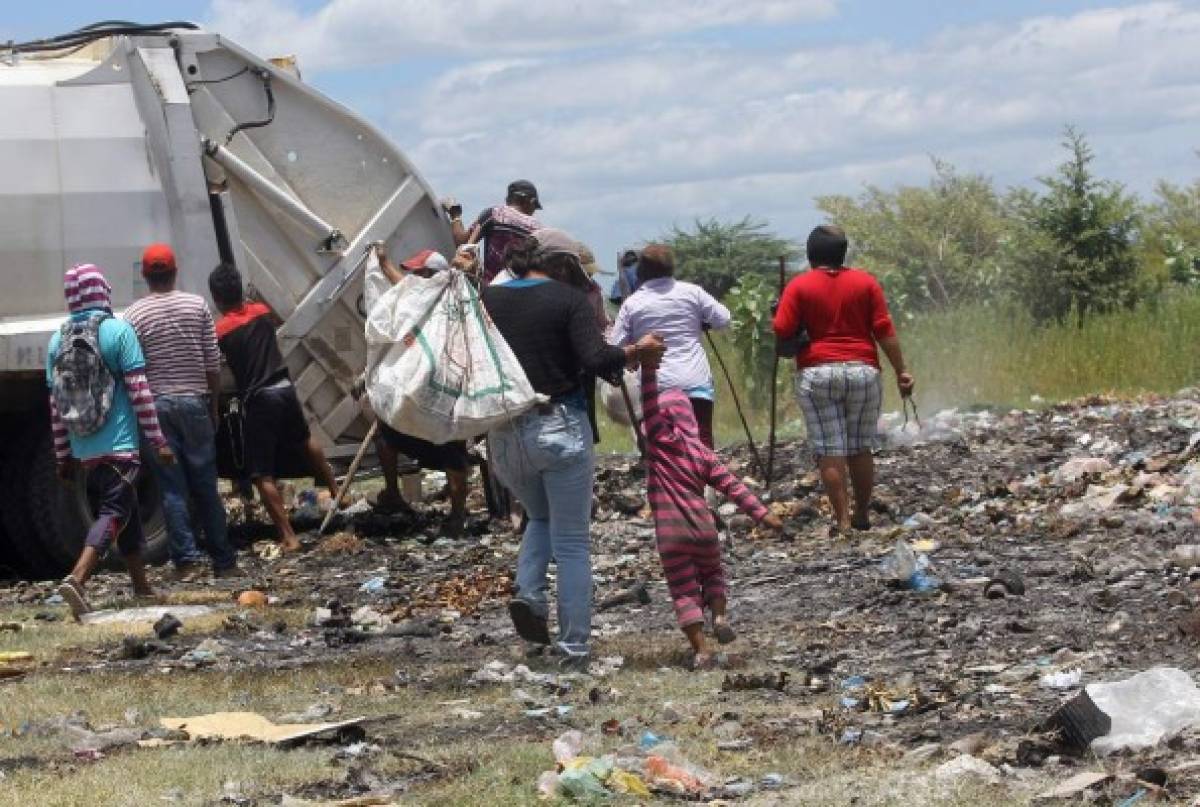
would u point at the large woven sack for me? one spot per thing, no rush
(437, 367)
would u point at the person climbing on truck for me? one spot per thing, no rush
(502, 226)
(183, 366)
(99, 399)
(451, 457)
(273, 417)
(679, 464)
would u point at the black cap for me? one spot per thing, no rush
(525, 189)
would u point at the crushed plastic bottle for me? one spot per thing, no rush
(909, 569)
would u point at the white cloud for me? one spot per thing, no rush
(363, 32)
(624, 143)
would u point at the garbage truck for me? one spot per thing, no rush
(119, 135)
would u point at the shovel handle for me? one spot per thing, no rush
(345, 488)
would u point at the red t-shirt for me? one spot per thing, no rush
(845, 314)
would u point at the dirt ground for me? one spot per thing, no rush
(845, 687)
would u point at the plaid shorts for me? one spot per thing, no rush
(841, 404)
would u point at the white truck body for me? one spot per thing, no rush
(140, 138)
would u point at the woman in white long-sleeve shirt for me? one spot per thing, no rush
(679, 312)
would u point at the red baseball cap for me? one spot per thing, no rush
(157, 259)
(426, 259)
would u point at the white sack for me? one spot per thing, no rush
(437, 368)
(614, 399)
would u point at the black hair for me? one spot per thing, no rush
(827, 246)
(523, 257)
(225, 285)
(629, 258)
(160, 280)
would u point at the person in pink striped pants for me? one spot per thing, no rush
(678, 466)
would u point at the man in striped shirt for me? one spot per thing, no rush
(179, 341)
(109, 454)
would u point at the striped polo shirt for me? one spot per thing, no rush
(179, 340)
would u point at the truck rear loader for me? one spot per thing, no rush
(119, 135)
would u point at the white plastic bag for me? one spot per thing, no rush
(614, 399)
(437, 368)
(1146, 709)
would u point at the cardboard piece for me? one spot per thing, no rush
(249, 726)
(1075, 786)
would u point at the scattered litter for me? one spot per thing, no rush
(1146, 708)
(741, 682)
(252, 599)
(1076, 786)
(235, 726)
(1067, 679)
(167, 626)
(966, 767)
(148, 615)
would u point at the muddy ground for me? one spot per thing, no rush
(1082, 506)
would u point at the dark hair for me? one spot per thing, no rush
(629, 258)
(160, 280)
(827, 246)
(523, 257)
(657, 260)
(225, 285)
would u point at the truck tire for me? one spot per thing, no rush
(21, 519)
(11, 566)
(59, 515)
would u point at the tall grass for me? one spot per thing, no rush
(977, 356)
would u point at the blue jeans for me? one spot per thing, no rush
(545, 458)
(193, 478)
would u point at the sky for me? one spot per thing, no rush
(634, 116)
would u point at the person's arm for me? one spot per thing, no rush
(62, 444)
(712, 314)
(787, 320)
(212, 367)
(654, 424)
(390, 271)
(480, 228)
(733, 488)
(884, 332)
(454, 212)
(132, 365)
(597, 356)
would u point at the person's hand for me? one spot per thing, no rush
(650, 349)
(66, 469)
(773, 522)
(165, 455)
(380, 250)
(453, 207)
(906, 383)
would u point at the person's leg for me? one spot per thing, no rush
(864, 400)
(703, 410)
(862, 479)
(389, 462)
(457, 518)
(833, 477)
(199, 459)
(714, 587)
(173, 484)
(268, 492)
(565, 444)
(510, 462)
(130, 538)
(683, 583)
(321, 468)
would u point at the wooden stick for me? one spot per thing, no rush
(345, 488)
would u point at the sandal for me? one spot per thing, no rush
(72, 594)
(389, 504)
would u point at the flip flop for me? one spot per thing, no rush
(72, 595)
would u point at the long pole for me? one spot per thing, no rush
(774, 391)
(737, 404)
(345, 488)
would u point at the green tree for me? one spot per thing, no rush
(1073, 248)
(1170, 239)
(932, 247)
(717, 254)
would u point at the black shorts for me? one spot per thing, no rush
(450, 456)
(275, 424)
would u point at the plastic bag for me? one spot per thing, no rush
(437, 368)
(1146, 709)
(614, 398)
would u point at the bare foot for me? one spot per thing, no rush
(704, 661)
(289, 545)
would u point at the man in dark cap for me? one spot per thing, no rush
(500, 226)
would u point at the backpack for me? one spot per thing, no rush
(83, 385)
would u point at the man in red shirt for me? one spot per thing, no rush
(837, 374)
